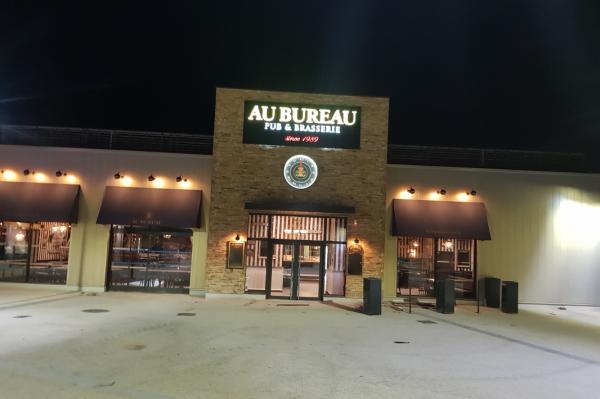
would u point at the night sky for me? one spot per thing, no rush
(503, 74)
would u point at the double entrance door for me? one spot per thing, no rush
(296, 270)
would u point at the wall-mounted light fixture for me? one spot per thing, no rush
(151, 178)
(27, 172)
(356, 241)
(442, 191)
(237, 237)
(9, 175)
(473, 193)
(59, 173)
(39, 176)
(355, 223)
(118, 176)
(408, 193)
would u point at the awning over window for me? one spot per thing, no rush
(37, 202)
(447, 219)
(150, 207)
(287, 206)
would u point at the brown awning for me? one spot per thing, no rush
(150, 207)
(445, 219)
(39, 202)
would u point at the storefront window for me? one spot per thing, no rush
(422, 261)
(150, 259)
(34, 252)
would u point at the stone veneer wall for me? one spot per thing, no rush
(250, 173)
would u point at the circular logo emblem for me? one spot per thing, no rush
(300, 171)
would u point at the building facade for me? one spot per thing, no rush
(297, 200)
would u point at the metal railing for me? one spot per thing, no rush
(183, 143)
(487, 158)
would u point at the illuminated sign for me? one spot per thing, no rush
(330, 126)
(300, 171)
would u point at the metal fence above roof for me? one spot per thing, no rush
(183, 143)
(487, 158)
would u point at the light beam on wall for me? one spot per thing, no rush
(576, 224)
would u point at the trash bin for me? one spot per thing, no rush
(372, 296)
(491, 290)
(510, 297)
(444, 296)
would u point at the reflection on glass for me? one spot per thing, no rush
(34, 252)
(417, 273)
(150, 259)
(415, 266)
(14, 247)
(455, 261)
(49, 253)
(335, 273)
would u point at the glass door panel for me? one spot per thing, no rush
(335, 269)
(295, 271)
(281, 270)
(308, 270)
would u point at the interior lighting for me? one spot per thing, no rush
(237, 237)
(117, 176)
(27, 172)
(442, 191)
(59, 173)
(151, 178)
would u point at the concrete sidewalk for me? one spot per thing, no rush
(16, 295)
(243, 348)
